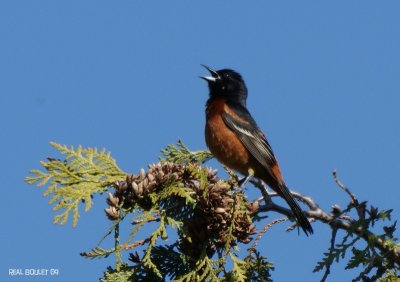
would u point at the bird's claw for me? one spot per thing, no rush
(243, 182)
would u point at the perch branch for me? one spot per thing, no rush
(315, 213)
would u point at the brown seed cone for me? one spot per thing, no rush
(213, 213)
(136, 188)
(212, 218)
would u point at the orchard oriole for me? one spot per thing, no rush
(234, 138)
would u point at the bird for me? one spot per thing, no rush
(234, 138)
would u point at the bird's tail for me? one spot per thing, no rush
(298, 213)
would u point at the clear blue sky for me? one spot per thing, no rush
(323, 81)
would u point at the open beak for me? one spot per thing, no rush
(214, 75)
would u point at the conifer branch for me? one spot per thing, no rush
(182, 155)
(209, 218)
(98, 252)
(360, 228)
(83, 173)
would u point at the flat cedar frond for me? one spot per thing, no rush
(83, 173)
(209, 272)
(138, 222)
(334, 254)
(238, 210)
(124, 274)
(182, 155)
(203, 271)
(175, 190)
(365, 254)
(390, 276)
(239, 269)
(90, 161)
(98, 252)
(170, 262)
(160, 232)
(258, 268)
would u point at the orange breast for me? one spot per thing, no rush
(222, 142)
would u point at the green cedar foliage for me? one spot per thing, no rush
(208, 218)
(81, 174)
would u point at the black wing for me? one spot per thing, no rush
(253, 139)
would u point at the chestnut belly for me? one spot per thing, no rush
(227, 148)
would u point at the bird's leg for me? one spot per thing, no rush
(242, 182)
(266, 196)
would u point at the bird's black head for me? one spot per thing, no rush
(226, 84)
